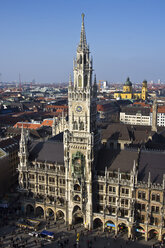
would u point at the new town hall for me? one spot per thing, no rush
(76, 177)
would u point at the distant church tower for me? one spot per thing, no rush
(144, 90)
(81, 137)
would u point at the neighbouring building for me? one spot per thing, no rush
(135, 115)
(9, 164)
(128, 92)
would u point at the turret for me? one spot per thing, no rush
(54, 127)
(95, 87)
(23, 149)
(154, 116)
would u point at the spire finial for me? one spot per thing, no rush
(82, 17)
(83, 42)
(22, 134)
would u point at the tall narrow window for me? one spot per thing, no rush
(85, 81)
(79, 81)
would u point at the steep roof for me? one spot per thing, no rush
(116, 131)
(116, 159)
(50, 151)
(153, 162)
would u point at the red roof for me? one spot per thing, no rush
(47, 123)
(27, 125)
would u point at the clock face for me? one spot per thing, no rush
(79, 109)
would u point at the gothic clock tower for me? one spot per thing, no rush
(81, 138)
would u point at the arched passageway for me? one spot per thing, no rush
(122, 228)
(78, 218)
(29, 209)
(76, 209)
(153, 234)
(77, 215)
(97, 223)
(139, 232)
(39, 212)
(50, 213)
(60, 216)
(110, 226)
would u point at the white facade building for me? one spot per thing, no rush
(141, 116)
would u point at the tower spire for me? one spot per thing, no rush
(70, 80)
(83, 42)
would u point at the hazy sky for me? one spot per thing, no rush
(38, 38)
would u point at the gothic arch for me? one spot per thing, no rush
(107, 210)
(50, 212)
(77, 187)
(60, 215)
(109, 222)
(122, 227)
(77, 215)
(76, 209)
(80, 81)
(153, 234)
(77, 198)
(75, 126)
(29, 209)
(39, 211)
(80, 59)
(139, 231)
(97, 223)
(81, 125)
(84, 96)
(85, 81)
(85, 60)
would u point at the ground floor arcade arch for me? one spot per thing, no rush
(29, 209)
(39, 212)
(153, 234)
(110, 226)
(60, 216)
(77, 215)
(97, 223)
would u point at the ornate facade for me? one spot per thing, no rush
(71, 176)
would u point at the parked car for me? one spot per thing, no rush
(33, 234)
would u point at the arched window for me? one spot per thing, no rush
(80, 59)
(85, 81)
(75, 126)
(81, 125)
(77, 198)
(79, 81)
(77, 187)
(84, 58)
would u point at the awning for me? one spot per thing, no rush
(46, 233)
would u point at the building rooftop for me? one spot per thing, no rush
(50, 151)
